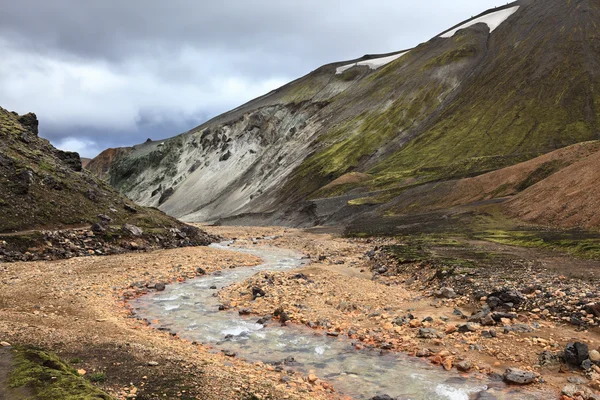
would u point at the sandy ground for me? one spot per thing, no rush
(78, 308)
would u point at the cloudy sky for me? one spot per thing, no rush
(107, 73)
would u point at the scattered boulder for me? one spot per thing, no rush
(468, 327)
(30, 122)
(257, 292)
(427, 333)
(160, 287)
(98, 228)
(200, 271)
(129, 208)
(166, 195)
(71, 159)
(132, 230)
(576, 353)
(225, 156)
(465, 365)
(446, 293)
(594, 356)
(575, 391)
(104, 218)
(519, 377)
(505, 298)
(423, 353)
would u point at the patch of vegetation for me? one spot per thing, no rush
(453, 55)
(50, 378)
(97, 377)
(350, 74)
(576, 243)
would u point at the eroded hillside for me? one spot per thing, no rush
(508, 86)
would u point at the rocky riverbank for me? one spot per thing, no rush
(354, 287)
(97, 240)
(498, 325)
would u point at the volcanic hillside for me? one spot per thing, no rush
(43, 187)
(359, 136)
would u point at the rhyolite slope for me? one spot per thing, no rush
(330, 146)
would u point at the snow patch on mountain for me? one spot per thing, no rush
(493, 21)
(374, 63)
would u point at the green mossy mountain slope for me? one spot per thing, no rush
(448, 109)
(42, 187)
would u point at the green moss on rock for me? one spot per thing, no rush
(50, 378)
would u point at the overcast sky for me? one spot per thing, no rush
(108, 73)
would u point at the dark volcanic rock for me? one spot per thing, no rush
(165, 195)
(30, 122)
(71, 159)
(576, 353)
(257, 292)
(519, 377)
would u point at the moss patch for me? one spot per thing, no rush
(50, 378)
(576, 243)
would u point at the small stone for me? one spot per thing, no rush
(427, 333)
(595, 356)
(312, 378)
(152, 363)
(160, 287)
(446, 293)
(423, 353)
(81, 372)
(519, 377)
(4, 344)
(465, 365)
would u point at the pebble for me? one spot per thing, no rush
(4, 344)
(152, 363)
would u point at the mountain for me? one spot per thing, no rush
(46, 188)
(356, 138)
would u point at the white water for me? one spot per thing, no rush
(191, 310)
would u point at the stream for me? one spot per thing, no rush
(192, 310)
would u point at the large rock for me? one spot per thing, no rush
(576, 353)
(30, 122)
(505, 298)
(165, 195)
(132, 230)
(71, 159)
(446, 293)
(519, 377)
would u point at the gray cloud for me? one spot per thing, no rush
(112, 73)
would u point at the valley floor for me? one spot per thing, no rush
(78, 308)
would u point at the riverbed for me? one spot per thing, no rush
(191, 309)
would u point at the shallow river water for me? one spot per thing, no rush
(192, 310)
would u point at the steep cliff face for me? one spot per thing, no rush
(507, 86)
